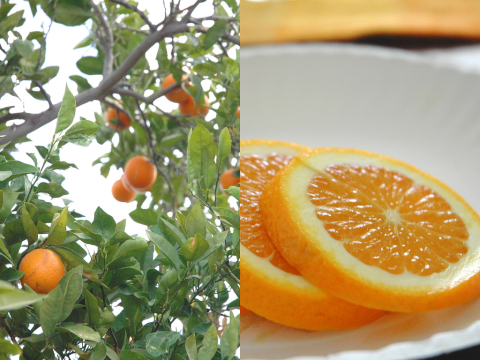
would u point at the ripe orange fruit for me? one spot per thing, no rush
(139, 174)
(237, 113)
(122, 193)
(177, 95)
(374, 231)
(244, 310)
(190, 108)
(227, 179)
(43, 270)
(116, 119)
(271, 287)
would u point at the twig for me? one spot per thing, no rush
(44, 93)
(137, 10)
(112, 334)
(121, 27)
(106, 40)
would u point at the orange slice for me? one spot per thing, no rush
(271, 287)
(374, 231)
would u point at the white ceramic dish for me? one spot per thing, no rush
(387, 101)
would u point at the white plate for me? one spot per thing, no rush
(387, 101)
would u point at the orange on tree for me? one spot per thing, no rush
(139, 174)
(122, 193)
(271, 287)
(176, 95)
(117, 120)
(374, 231)
(231, 177)
(43, 270)
(237, 113)
(191, 108)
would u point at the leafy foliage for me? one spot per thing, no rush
(167, 295)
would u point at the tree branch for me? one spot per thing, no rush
(44, 93)
(137, 10)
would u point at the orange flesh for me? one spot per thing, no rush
(386, 220)
(255, 173)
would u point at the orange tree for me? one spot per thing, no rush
(169, 294)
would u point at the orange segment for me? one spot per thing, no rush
(374, 231)
(271, 287)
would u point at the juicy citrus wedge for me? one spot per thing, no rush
(374, 231)
(271, 287)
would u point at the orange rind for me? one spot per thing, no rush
(271, 287)
(374, 231)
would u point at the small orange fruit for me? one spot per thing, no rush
(122, 193)
(271, 287)
(228, 178)
(117, 120)
(177, 95)
(192, 108)
(374, 231)
(237, 113)
(139, 174)
(43, 270)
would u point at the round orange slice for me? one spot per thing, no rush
(271, 287)
(374, 231)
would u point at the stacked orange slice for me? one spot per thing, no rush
(373, 231)
(271, 287)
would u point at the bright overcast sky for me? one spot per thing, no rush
(87, 188)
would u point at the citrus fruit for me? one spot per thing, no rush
(237, 113)
(271, 287)
(122, 193)
(191, 108)
(177, 95)
(43, 270)
(139, 174)
(229, 178)
(117, 120)
(374, 231)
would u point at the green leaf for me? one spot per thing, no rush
(58, 230)
(205, 69)
(228, 217)
(201, 149)
(209, 344)
(166, 248)
(17, 168)
(214, 33)
(72, 13)
(90, 65)
(52, 189)
(12, 298)
(234, 191)
(83, 127)
(159, 342)
(171, 233)
(87, 41)
(29, 226)
(59, 302)
(82, 83)
(215, 242)
(131, 355)
(131, 248)
(113, 355)
(196, 221)
(10, 274)
(67, 111)
(224, 144)
(9, 198)
(48, 73)
(82, 331)
(191, 347)
(104, 224)
(14, 232)
(208, 167)
(230, 339)
(7, 348)
(24, 48)
(5, 251)
(144, 216)
(99, 352)
(85, 227)
(194, 247)
(72, 258)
